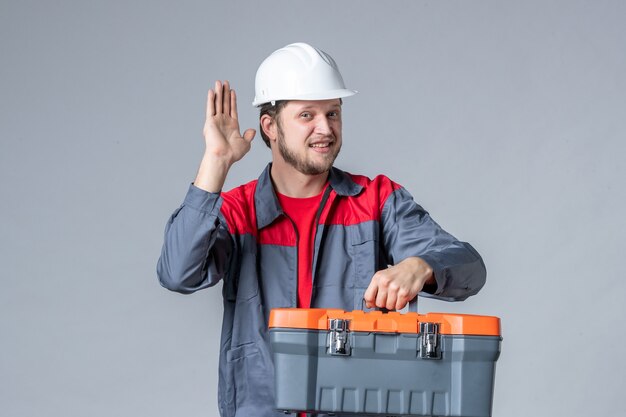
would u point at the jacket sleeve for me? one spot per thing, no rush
(408, 230)
(197, 246)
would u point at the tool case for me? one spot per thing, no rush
(384, 364)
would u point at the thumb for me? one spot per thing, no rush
(249, 134)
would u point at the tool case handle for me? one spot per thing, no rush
(412, 306)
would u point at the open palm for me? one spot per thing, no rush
(221, 129)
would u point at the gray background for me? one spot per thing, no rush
(506, 120)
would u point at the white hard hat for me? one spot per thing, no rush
(298, 72)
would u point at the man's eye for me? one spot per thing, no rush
(305, 115)
(333, 114)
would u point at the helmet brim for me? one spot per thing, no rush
(325, 95)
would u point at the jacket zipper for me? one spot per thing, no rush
(295, 229)
(316, 225)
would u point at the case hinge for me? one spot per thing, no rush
(429, 341)
(338, 337)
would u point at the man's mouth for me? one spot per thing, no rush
(320, 145)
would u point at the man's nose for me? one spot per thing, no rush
(322, 126)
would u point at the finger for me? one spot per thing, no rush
(249, 134)
(218, 98)
(226, 97)
(382, 280)
(370, 294)
(233, 105)
(403, 298)
(390, 303)
(210, 104)
(381, 297)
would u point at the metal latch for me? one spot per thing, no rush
(429, 341)
(338, 337)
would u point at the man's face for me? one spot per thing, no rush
(309, 134)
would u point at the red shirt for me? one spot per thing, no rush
(302, 212)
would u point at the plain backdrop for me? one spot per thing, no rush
(505, 119)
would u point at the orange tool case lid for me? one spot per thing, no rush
(377, 321)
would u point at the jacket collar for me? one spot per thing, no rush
(267, 205)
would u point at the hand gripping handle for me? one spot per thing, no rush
(412, 306)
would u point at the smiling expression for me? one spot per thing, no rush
(308, 135)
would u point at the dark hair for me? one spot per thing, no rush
(272, 110)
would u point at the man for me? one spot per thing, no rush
(305, 233)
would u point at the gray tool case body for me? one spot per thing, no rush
(384, 364)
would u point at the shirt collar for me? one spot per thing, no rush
(266, 203)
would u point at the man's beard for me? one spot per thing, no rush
(300, 163)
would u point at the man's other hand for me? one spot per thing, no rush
(394, 287)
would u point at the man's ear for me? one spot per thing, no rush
(269, 126)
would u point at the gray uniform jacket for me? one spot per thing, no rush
(243, 238)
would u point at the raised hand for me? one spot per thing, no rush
(224, 143)
(221, 129)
